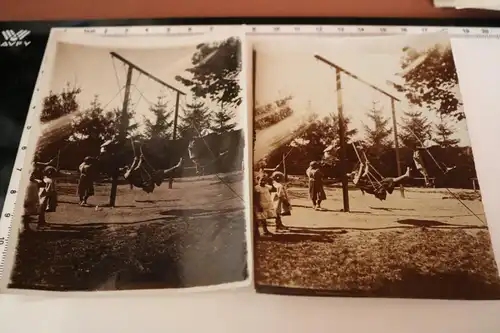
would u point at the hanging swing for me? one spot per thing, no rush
(140, 173)
(374, 179)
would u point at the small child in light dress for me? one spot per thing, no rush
(281, 203)
(263, 205)
(47, 194)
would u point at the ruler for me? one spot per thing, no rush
(335, 30)
(9, 210)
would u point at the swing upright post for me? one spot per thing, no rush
(174, 133)
(343, 157)
(131, 67)
(396, 143)
(122, 134)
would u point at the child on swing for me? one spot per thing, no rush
(142, 175)
(378, 188)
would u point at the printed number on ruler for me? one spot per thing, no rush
(297, 29)
(477, 32)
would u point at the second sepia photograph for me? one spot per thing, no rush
(364, 177)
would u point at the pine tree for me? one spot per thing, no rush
(333, 128)
(131, 126)
(195, 120)
(416, 129)
(160, 128)
(444, 132)
(222, 121)
(58, 105)
(94, 124)
(378, 135)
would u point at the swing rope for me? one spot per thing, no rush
(444, 173)
(215, 158)
(369, 175)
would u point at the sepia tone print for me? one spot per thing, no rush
(137, 181)
(364, 177)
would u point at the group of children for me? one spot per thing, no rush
(270, 200)
(142, 175)
(41, 196)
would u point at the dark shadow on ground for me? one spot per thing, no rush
(392, 209)
(437, 224)
(155, 201)
(411, 224)
(90, 205)
(332, 210)
(194, 211)
(108, 206)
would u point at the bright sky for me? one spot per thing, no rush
(91, 69)
(286, 66)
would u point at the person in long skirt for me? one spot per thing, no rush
(316, 190)
(88, 172)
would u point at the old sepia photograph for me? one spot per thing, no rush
(137, 181)
(364, 176)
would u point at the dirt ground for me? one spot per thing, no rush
(419, 207)
(426, 245)
(190, 235)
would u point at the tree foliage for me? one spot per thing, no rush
(416, 129)
(94, 122)
(94, 125)
(161, 127)
(431, 80)
(444, 132)
(195, 121)
(223, 121)
(377, 135)
(215, 72)
(56, 105)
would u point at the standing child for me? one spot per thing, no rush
(279, 197)
(263, 205)
(47, 194)
(316, 190)
(88, 173)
